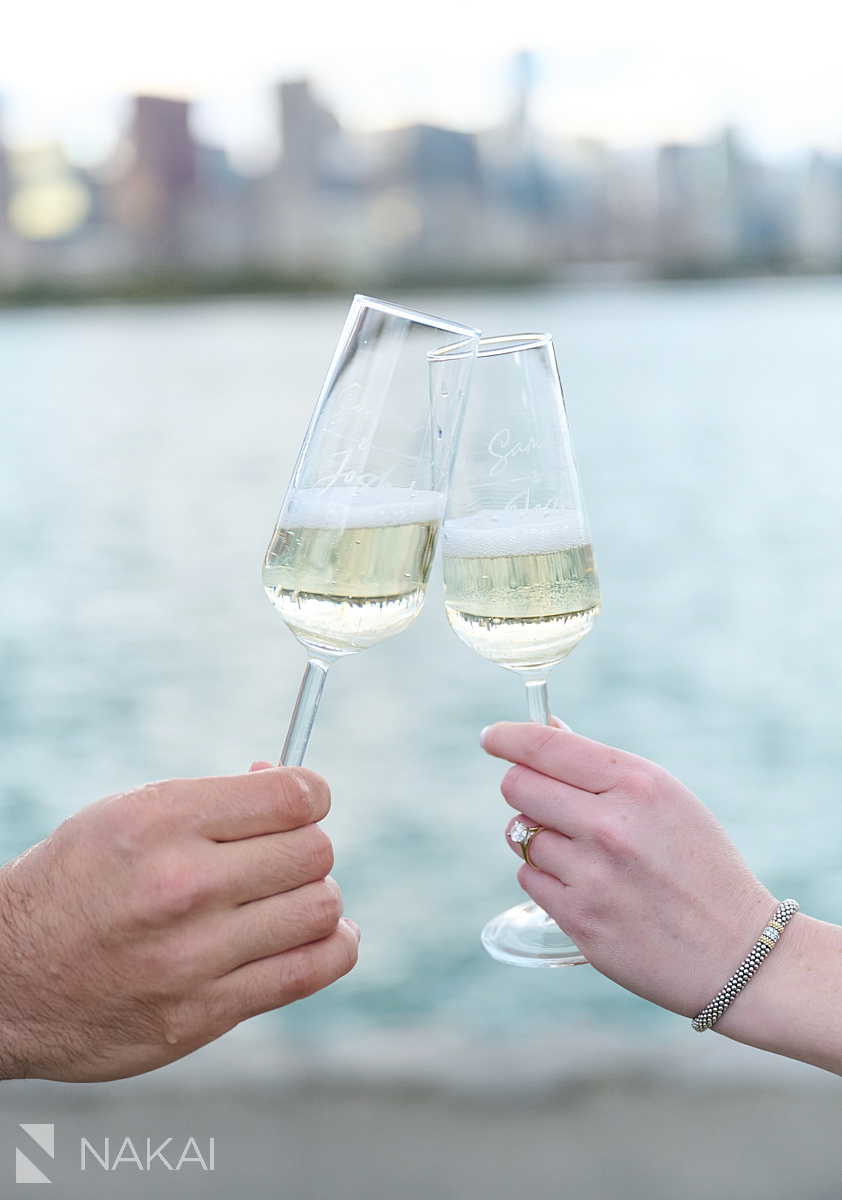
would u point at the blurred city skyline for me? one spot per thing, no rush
(354, 146)
(631, 76)
(419, 204)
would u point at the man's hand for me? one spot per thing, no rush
(156, 920)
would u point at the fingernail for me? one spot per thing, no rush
(352, 925)
(482, 736)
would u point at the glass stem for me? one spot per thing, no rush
(304, 714)
(538, 699)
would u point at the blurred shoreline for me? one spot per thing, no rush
(521, 1066)
(161, 286)
(609, 1117)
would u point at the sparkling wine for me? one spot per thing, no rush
(520, 588)
(348, 568)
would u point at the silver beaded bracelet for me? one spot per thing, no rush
(766, 942)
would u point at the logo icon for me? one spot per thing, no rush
(26, 1170)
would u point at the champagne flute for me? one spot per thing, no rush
(349, 560)
(520, 578)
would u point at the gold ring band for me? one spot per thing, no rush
(524, 846)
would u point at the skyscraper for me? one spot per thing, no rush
(152, 200)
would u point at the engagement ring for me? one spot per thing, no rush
(523, 835)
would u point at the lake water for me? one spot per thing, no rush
(144, 455)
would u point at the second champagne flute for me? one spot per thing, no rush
(348, 563)
(519, 573)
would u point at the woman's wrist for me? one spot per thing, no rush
(791, 1006)
(747, 969)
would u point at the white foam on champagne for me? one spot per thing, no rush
(502, 534)
(360, 508)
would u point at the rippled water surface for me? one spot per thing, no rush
(145, 452)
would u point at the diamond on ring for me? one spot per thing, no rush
(519, 833)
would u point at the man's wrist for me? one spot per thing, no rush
(14, 1058)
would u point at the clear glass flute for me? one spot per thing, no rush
(520, 578)
(349, 560)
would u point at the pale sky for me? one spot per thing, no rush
(631, 73)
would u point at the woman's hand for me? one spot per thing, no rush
(631, 865)
(651, 889)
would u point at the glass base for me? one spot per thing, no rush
(526, 937)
